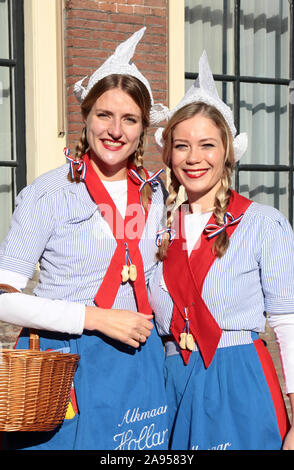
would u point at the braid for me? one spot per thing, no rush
(81, 148)
(137, 160)
(222, 199)
(173, 190)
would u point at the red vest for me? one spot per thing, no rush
(184, 278)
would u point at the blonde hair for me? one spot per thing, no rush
(222, 196)
(139, 93)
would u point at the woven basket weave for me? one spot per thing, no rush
(34, 387)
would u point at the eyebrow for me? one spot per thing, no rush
(106, 111)
(201, 140)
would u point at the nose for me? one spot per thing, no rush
(115, 129)
(193, 156)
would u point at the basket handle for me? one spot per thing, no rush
(34, 341)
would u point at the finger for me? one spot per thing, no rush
(148, 317)
(145, 332)
(142, 338)
(133, 343)
(147, 325)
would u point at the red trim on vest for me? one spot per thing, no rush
(106, 294)
(274, 387)
(184, 278)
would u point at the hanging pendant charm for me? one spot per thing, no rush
(129, 272)
(190, 343)
(182, 342)
(125, 273)
(186, 339)
(133, 272)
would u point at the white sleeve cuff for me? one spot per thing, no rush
(41, 313)
(19, 281)
(283, 326)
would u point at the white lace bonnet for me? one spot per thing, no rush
(204, 90)
(121, 63)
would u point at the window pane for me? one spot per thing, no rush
(264, 115)
(264, 38)
(5, 114)
(266, 187)
(204, 21)
(4, 30)
(6, 197)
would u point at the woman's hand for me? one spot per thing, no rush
(131, 328)
(288, 443)
(289, 440)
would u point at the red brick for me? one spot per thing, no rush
(158, 11)
(88, 14)
(155, 20)
(83, 43)
(142, 10)
(125, 27)
(135, 2)
(156, 3)
(133, 19)
(109, 7)
(79, 33)
(125, 9)
(110, 35)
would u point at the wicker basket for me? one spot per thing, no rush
(34, 387)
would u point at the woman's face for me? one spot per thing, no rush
(114, 127)
(198, 159)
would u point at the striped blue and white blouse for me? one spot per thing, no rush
(57, 224)
(256, 275)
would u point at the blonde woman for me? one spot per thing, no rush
(225, 261)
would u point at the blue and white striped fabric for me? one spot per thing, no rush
(73, 242)
(255, 276)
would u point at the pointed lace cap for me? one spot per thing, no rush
(204, 90)
(121, 63)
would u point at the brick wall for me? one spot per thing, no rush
(93, 29)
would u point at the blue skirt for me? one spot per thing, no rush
(120, 397)
(235, 404)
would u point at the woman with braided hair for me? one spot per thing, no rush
(91, 225)
(226, 260)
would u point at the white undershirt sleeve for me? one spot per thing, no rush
(19, 281)
(283, 325)
(41, 313)
(38, 312)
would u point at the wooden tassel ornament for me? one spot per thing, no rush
(190, 343)
(182, 342)
(133, 272)
(125, 273)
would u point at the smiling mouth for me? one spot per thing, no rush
(196, 173)
(112, 145)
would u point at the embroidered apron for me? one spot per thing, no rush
(120, 394)
(232, 400)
